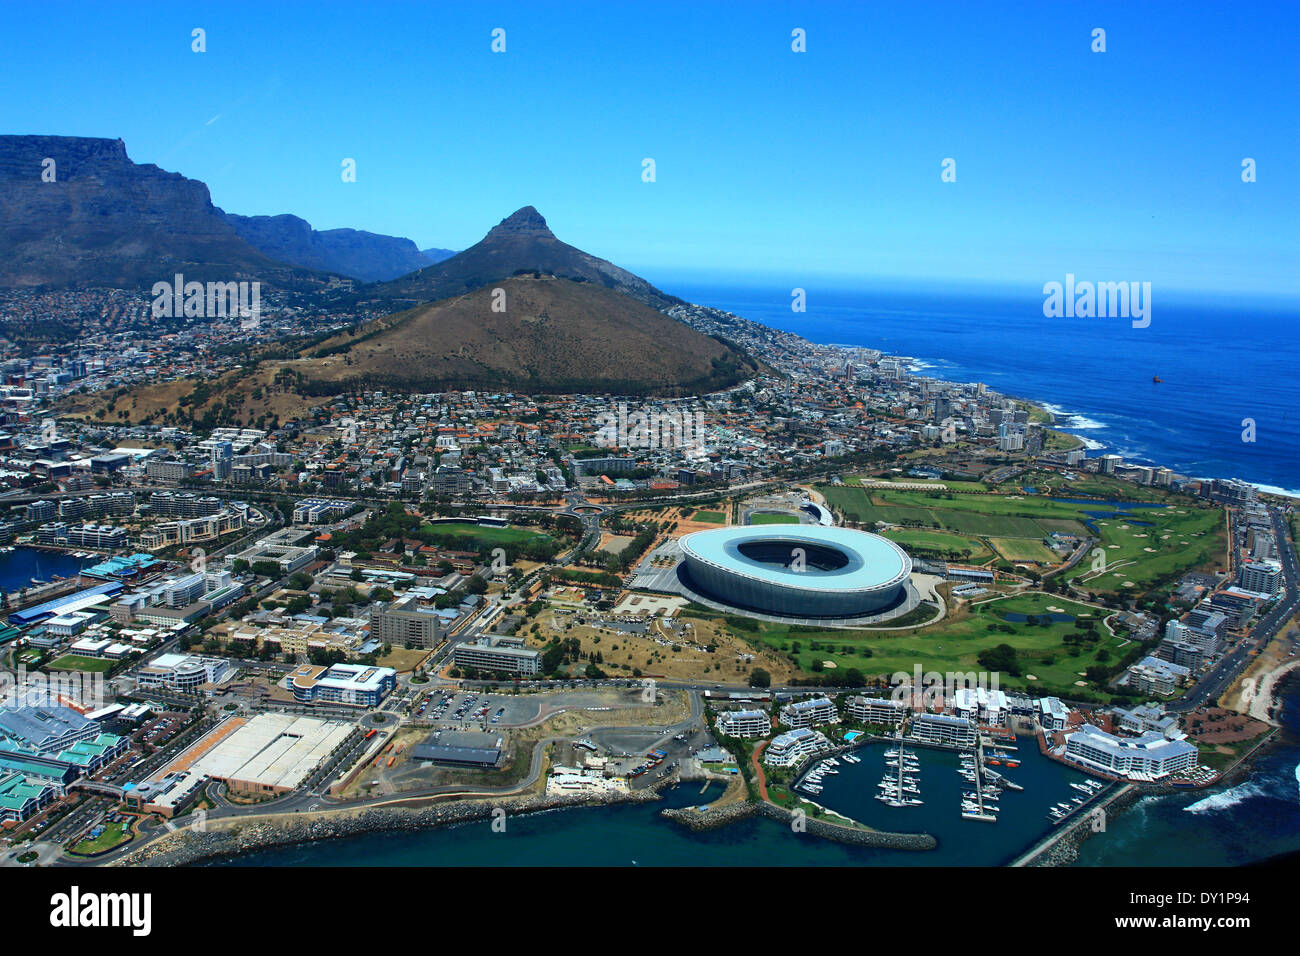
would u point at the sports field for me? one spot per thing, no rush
(482, 533)
(712, 517)
(773, 519)
(75, 662)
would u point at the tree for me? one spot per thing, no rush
(759, 678)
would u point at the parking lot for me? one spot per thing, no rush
(474, 709)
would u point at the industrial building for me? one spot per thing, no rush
(272, 753)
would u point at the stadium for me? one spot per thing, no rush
(799, 571)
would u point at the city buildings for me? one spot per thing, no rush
(877, 710)
(1150, 756)
(943, 729)
(744, 723)
(356, 685)
(793, 746)
(184, 672)
(810, 713)
(406, 623)
(495, 652)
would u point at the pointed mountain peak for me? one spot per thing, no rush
(523, 222)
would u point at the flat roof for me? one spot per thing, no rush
(273, 750)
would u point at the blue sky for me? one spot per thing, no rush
(792, 167)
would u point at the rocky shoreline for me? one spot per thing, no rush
(712, 818)
(187, 847)
(1065, 850)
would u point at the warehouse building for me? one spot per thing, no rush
(272, 753)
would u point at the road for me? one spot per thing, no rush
(1227, 670)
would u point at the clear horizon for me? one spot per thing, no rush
(816, 166)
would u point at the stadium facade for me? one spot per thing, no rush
(803, 571)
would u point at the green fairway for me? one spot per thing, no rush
(773, 519)
(1144, 547)
(1055, 654)
(75, 662)
(941, 543)
(1176, 540)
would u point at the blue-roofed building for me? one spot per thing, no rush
(69, 602)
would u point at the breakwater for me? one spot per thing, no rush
(226, 838)
(711, 818)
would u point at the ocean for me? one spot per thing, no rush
(22, 567)
(1219, 364)
(1247, 823)
(635, 834)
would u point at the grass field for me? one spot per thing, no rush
(1024, 549)
(973, 487)
(114, 834)
(713, 517)
(955, 643)
(1176, 540)
(1142, 548)
(75, 662)
(477, 532)
(970, 549)
(773, 519)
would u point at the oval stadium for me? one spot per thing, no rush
(803, 571)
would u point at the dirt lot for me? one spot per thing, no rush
(665, 652)
(682, 516)
(570, 715)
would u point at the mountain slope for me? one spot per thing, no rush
(555, 335)
(522, 242)
(367, 256)
(106, 221)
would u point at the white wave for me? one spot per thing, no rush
(1069, 419)
(1091, 444)
(1275, 490)
(1084, 423)
(1226, 799)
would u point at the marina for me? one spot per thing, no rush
(884, 790)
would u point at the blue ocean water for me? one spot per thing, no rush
(631, 835)
(1229, 826)
(22, 567)
(1220, 363)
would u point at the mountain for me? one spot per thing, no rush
(550, 334)
(522, 242)
(350, 252)
(106, 221)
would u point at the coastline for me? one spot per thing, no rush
(187, 847)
